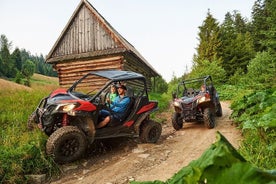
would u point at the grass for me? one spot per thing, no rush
(163, 105)
(21, 150)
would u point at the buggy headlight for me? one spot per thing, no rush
(177, 104)
(66, 107)
(202, 99)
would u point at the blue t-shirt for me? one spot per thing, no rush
(119, 105)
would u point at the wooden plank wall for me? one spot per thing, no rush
(132, 64)
(69, 72)
(85, 34)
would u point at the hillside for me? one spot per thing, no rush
(42, 79)
(36, 80)
(9, 85)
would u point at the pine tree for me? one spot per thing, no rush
(259, 25)
(6, 63)
(16, 56)
(209, 41)
(237, 47)
(269, 40)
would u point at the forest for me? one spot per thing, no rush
(239, 54)
(19, 65)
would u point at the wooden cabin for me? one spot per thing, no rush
(88, 43)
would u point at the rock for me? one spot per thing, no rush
(138, 150)
(144, 155)
(66, 168)
(36, 178)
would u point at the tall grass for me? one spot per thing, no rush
(21, 150)
(163, 105)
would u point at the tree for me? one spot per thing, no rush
(209, 68)
(209, 40)
(28, 69)
(237, 47)
(5, 64)
(16, 56)
(8, 67)
(258, 24)
(262, 70)
(160, 85)
(269, 40)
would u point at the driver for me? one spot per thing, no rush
(117, 107)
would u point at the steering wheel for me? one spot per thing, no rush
(107, 103)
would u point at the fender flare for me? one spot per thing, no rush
(142, 118)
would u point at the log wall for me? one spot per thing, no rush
(69, 72)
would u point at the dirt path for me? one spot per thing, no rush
(127, 160)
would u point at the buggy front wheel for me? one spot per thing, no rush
(177, 121)
(150, 132)
(209, 118)
(66, 144)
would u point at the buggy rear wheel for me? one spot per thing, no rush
(209, 118)
(150, 132)
(177, 121)
(66, 144)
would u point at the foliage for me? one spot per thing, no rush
(221, 156)
(258, 25)
(256, 110)
(163, 100)
(269, 32)
(262, 71)
(255, 113)
(236, 79)
(209, 68)
(28, 69)
(259, 147)
(230, 92)
(12, 63)
(163, 105)
(22, 151)
(159, 84)
(6, 64)
(209, 41)
(237, 46)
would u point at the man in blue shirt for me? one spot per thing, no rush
(117, 107)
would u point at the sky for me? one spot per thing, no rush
(164, 32)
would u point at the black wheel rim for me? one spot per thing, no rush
(69, 147)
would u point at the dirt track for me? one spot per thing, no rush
(123, 160)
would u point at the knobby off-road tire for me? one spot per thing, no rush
(150, 132)
(219, 110)
(177, 121)
(66, 144)
(209, 118)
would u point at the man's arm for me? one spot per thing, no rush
(120, 106)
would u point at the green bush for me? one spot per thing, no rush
(255, 113)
